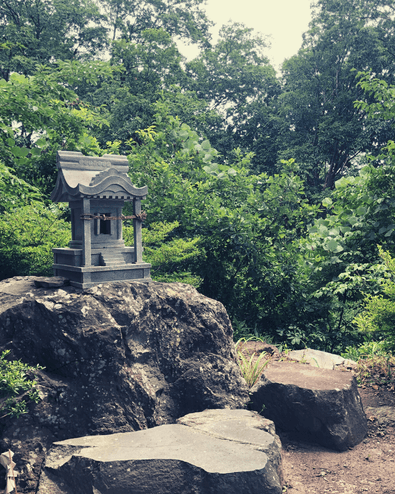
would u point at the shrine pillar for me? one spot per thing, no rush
(137, 228)
(86, 233)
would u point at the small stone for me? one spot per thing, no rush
(52, 282)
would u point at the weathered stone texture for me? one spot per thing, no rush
(322, 360)
(210, 452)
(118, 357)
(319, 405)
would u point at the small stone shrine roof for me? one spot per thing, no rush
(93, 177)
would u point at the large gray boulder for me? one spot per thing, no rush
(118, 357)
(318, 405)
(212, 452)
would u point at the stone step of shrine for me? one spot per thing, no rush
(111, 259)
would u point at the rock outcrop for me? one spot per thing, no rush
(322, 360)
(216, 451)
(318, 405)
(118, 357)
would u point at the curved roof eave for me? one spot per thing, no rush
(101, 187)
(64, 193)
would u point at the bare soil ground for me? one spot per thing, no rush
(369, 467)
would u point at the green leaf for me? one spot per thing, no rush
(206, 145)
(21, 161)
(19, 152)
(40, 142)
(353, 220)
(334, 246)
(211, 168)
(323, 229)
(361, 210)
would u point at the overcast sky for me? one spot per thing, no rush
(284, 20)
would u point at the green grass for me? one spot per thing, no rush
(251, 368)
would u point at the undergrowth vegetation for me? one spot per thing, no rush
(376, 364)
(17, 386)
(251, 366)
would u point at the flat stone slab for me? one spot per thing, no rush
(236, 425)
(23, 285)
(216, 451)
(51, 282)
(19, 286)
(322, 360)
(319, 405)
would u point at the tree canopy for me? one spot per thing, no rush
(269, 192)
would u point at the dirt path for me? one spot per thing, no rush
(369, 467)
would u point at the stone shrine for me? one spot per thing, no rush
(96, 190)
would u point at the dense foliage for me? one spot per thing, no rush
(269, 192)
(379, 314)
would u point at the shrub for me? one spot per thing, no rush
(27, 236)
(16, 386)
(170, 256)
(378, 317)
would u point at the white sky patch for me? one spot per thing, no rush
(283, 20)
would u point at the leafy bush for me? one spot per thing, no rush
(27, 236)
(16, 386)
(340, 255)
(378, 318)
(376, 365)
(15, 192)
(170, 257)
(369, 349)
